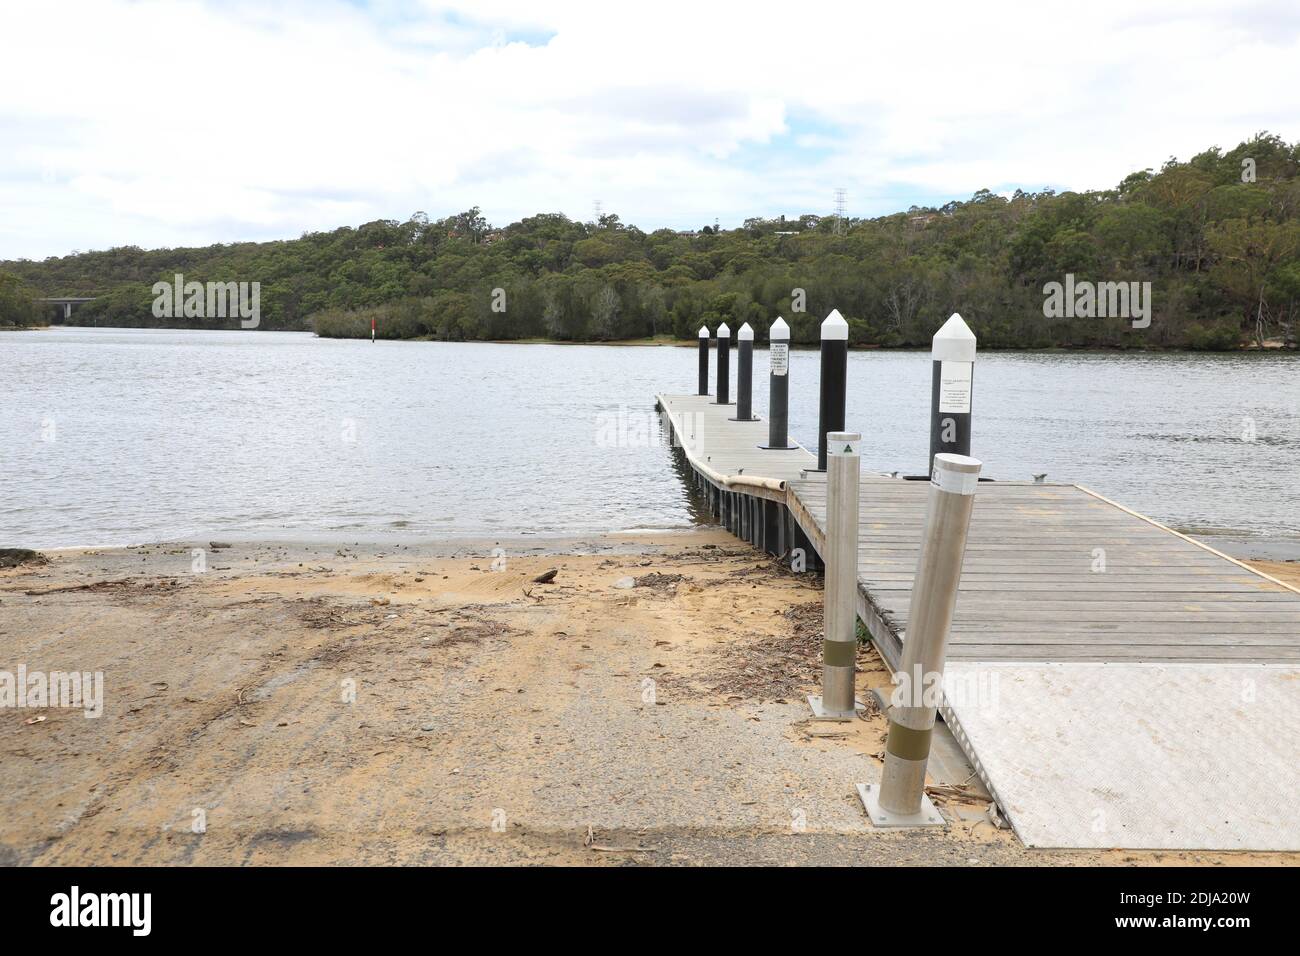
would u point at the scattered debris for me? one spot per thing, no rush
(115, 584)
(954, 792)
(658, 581)
(625, 583)
(546, 577)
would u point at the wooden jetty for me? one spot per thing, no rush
(1057, 576)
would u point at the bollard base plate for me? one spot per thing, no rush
(752, 418)
(928, 816)
(779, 447)
(821, 713)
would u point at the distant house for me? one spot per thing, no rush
(921, 221)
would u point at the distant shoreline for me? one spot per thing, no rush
(1270, 347)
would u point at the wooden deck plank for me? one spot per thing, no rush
(1028, 589)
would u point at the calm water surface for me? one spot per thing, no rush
(128, 436)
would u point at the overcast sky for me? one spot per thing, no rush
(186, 123)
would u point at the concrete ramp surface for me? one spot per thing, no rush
(1142, 756)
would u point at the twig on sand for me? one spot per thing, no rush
(623, 849)
(93, 586)
(589, 841)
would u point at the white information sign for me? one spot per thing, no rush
(954, 387)
(779, 358)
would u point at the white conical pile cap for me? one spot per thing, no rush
(955, 342)
(746, 334)
(779, 332)
(704, 331)
(723, 331)
(834, 326)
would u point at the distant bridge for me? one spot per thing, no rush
(68, 302)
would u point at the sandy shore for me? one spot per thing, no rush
(432, 704)
(1287, 572)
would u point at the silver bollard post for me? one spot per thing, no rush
(840, 641)
(900, 799)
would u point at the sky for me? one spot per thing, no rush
(135, 122)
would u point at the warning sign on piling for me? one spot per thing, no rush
(779, 358)
(954, 387)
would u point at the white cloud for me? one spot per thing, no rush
(163, 123)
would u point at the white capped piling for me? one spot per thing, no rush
(724, 364)
(840, 640)
(900, 799)
(778, 385)
(953, 361)
(834, 379)
(744, 373)
(704, 360)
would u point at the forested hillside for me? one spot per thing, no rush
(1218, 236)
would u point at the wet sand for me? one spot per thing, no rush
(433, 704)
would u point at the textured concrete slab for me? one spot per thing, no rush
(1143, 756)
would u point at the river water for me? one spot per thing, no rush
(123, 436)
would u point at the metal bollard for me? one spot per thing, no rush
(704, 360)
(953, 353)
(840, 641)
(900, 798)
(744, 374)
(778, 385)
(724, 364)
(834, 378)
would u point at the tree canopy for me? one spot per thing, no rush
(1217, 236)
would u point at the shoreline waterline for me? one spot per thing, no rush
(1251, 549)
(1270, 347)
